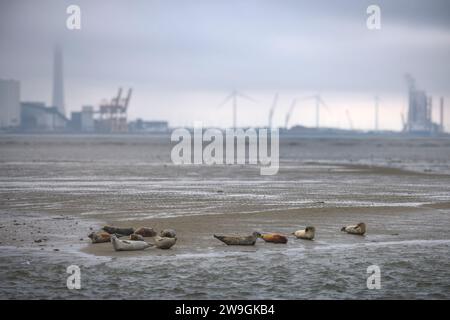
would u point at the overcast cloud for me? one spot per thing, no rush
(191, 53)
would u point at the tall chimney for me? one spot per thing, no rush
(58, 85)
(441, 127)
(429, 121)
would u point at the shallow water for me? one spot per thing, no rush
(410, 269)
(93, 179)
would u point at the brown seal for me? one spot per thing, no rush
(136, 237)
(116, 230)
(100, 236)
(145, 232)
(168, 233)
(274, 238)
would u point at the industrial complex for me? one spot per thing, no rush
(110, 116)
(36, 117)
(420, 108)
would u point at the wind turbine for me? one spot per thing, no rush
(289, 113)
(233, 97)
(402, 115)
(272, 109)
(319, 102)
(350, 122)
(377, 103)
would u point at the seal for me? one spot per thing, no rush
(359, 229)
(136, 237)
(168, 233)
(145, 232)
(99, 236)
(127, 245)
(239, 240)
(164, 242)
(274, 238)
(116, 230)
(307, 234)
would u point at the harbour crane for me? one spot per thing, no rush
(272, 109)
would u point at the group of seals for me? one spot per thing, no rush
(165, 240)
(167, 237)
(306, 234)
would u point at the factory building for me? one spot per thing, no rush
(83, 121)
(141, 126)
(419, 111)
(9, 104)
(36, 117)
(420, 108)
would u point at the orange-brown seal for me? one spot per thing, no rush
(99, 237)
(274, 238)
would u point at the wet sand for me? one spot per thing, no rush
(55, 190)
(195, 233)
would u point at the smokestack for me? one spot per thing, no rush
(430, 109)
(58, 85)
(442, 115)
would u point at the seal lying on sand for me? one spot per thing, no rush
(164, 242)
(359, 229)
(116, 230)
(100, 236)
(274, 238)
(136, 237)
(239, 240)
(127, 245)
(145, 232)
(168, 233)
(306, 234)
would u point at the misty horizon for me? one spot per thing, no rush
(183, 58)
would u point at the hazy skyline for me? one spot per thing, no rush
(183, 57)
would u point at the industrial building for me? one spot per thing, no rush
(83, 121)
(420, 107)
(36, 117)
(141, 126)
(9, 104)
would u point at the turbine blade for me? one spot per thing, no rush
(306, 98)
(242, 95)
(323, 103)
(228, 98)
(275, 101)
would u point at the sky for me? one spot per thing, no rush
(182, 58)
